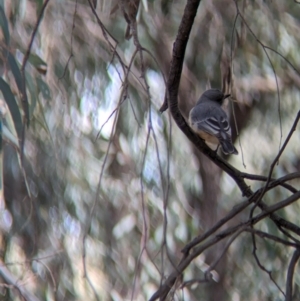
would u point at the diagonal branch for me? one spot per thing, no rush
(179, 47)
(163, 291)
(292, 130)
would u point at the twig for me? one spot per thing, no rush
(293, 128)
(106, 33)
(186, 260)
(145, 225)
(269, 59)
(234, 211)
(237, 209)
(125, 84)
(224, 250)
(273, 237)
(260, 265)
(283, 57)
(287, 234)
(282, 183)
(193, 281)
(123, 94)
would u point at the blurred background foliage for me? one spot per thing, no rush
(156, 191)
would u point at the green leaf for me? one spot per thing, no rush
(13, 107)
(32, 89)
(1, 139)
(4, 25)
(1, 163)
(39, 5)
(165, 6)
(18, 78)
(15, 70)
(36, 61)
(43, 87)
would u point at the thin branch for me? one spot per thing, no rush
(50, 273)
(260, 265)
(134, 30)
(193, 281)
(238, 208)
(186, 260)
(122, 98)
(269, 59)
(262, 234)
(107, 34)
(145, 225)
(234, 211)
(287, 234)
(283, 57)
(293, 128)
(91, 214)
(282, 182)
(224, 250)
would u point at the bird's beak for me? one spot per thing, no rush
(226, 96)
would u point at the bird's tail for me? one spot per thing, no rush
(228, 147)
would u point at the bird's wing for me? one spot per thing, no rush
(213, 121)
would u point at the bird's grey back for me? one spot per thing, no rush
(205, 108)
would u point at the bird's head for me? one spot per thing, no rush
(214, 95)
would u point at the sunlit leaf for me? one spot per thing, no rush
(9, 136)
(4, 25)
(13, 107)
(44, 123)
(38, 63)
(43, 87)
(42, 70)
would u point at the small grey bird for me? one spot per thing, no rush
(210, 121)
